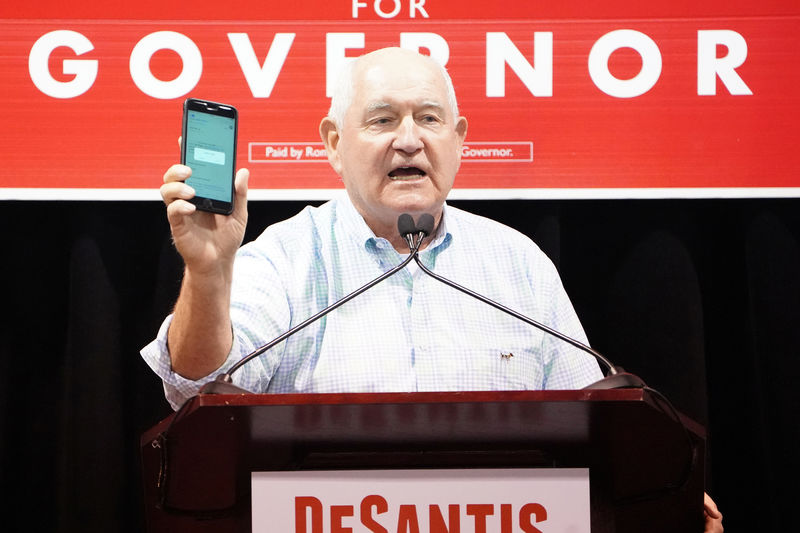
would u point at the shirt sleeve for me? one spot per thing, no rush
(565, 366)
(178, 389)
(259, 312)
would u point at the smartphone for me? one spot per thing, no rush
(208, 147)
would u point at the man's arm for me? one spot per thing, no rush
(200, 334)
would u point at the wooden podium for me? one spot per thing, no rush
(646, 462)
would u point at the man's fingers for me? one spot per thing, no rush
(178, 209)
(176, 190)
(240, 183)
(240, 187)
(177, 173)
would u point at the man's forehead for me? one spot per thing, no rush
(391, 78)
(392, 58)
(414, 70)
(378, 89)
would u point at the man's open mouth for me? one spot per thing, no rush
(406, 173)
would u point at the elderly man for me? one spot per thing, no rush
(394, 136)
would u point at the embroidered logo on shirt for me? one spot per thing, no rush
(506, 356)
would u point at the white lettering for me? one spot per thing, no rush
(500, 50)
(387, 14)
(709, 66)
(261, 78)
(166, 40)
(356, 6)
(282, 151)
(417, 5)
(414, 7)
(315, 152)
(611, 42)
(466, 151)
(336, 45)
(85, 70)
(435, 43)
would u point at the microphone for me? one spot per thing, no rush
(616, 378)
(223, 383)
(413, 233)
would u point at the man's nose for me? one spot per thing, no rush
(408, 136)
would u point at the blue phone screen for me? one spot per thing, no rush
(210, 154)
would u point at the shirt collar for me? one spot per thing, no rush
(355, 227)
(442, 234)
(353, 223)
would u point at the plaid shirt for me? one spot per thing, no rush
(408, 333)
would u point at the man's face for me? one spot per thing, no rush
(399, 148)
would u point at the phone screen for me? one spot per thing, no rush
(209, 148)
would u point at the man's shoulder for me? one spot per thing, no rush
(310, 219)
(468, 223)
(488, 240)
(298, 234)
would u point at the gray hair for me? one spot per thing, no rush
(342, 96)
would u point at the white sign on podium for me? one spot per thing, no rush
(422, 501)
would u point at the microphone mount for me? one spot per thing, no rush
(617, 377)
(223, 383)
(414, 234)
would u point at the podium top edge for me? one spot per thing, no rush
(361, 398)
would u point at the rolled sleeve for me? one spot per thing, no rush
(178, 389)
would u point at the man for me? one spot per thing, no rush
(394, 136)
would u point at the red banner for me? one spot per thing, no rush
(623, 101)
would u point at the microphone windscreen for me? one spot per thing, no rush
(425, 223)
(405, 224)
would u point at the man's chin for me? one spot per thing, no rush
(416, 208)
(414, 201)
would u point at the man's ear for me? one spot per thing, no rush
(461, 134)
(330, 138)
(461, 128)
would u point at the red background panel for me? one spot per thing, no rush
(116, 137)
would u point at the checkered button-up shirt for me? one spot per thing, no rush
(408, 333)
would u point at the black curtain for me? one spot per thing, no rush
(701, 298)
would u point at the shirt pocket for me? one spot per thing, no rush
(512, 368)
(502, 368)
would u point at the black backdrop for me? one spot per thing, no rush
(701, 298)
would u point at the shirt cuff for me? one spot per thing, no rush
(178, 389)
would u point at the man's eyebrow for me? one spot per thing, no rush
(381, 106)
(378, 106)
(433, 104)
